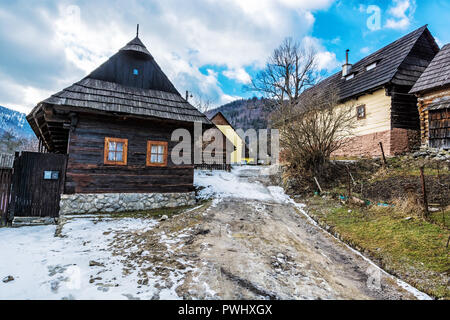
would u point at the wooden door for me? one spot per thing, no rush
(38, 180)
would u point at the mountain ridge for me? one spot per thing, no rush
(14, 122)
(245, 113)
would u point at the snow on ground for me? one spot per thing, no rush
(221, 184)
(49, 267)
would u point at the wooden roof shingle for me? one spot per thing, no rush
(394, 64)
(130, 82)
(437, 74)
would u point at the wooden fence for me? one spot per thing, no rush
(5, 191)
(214, 166)
(6, 160)
(6, 164)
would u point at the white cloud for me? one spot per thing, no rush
(402, 12)
(239, 74)
(365, 50)
(20, 96)
(183, 36)
(336, 40)
(326, 61)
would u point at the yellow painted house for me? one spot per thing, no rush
(241, 153)
(378, 89)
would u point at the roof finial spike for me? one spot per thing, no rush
(137, 31)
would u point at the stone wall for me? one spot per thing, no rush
(365, 145)
(395, 142)
(122, 202)
(403, 140)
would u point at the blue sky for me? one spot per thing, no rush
(211, 48)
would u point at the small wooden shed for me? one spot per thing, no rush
(433, 93)
(115, 126)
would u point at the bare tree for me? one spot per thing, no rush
(314, 128)
(289, 71)
(10, 143)
(202, 103)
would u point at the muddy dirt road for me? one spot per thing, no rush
(253, 242)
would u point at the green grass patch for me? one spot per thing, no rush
(441, 217)
(414, 249)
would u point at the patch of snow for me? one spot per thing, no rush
(220, 184)
(48, 267)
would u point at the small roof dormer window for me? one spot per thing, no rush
(371, 66)
(350, 77)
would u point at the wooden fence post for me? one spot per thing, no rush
(424, 192)
(382, 152)
(349, 185)
(317, 182)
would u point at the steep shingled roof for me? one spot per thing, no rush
(393, 66)
(437, 73)
(130, 82)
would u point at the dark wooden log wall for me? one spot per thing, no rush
(404, 111)
(417, 60)
(86, 172)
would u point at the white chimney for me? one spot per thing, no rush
(347, 67)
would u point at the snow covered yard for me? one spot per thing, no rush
(81, 263)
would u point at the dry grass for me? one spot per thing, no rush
(413, 249)
(409, 205)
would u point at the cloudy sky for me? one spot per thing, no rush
(209, 47)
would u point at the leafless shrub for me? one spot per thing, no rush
(315, 127)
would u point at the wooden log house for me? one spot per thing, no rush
(115, 126)
(433, 93)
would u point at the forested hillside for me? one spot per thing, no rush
(245, 114)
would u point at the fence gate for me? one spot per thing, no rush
(37, 184)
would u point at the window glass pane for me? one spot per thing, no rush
(154, 158)
(361, 112)
(160, 158)
(119, 146)
(111, 156)
(154, 149)
(119, 156)
(112, 146)
(161, 149)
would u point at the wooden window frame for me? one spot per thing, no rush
(151, 143)
(357, 112)
(124, 151)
